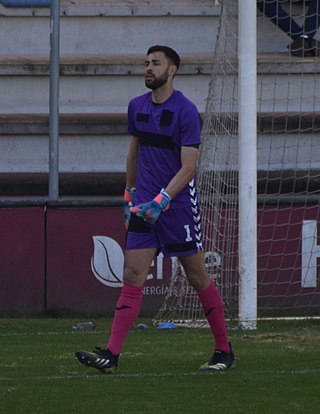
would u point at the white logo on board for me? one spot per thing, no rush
(108, 260)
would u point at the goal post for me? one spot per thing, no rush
(247, 60)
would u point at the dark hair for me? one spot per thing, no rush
(170, 53)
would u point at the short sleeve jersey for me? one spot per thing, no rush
(162, 129)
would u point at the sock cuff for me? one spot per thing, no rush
(132, 289)
(210, 297)
(207, 290)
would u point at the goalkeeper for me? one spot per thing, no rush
(161, 209)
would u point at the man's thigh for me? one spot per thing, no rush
(137, 265)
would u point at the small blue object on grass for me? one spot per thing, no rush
(166, 325)
(142, 326)
(84, 326)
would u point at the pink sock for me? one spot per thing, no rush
(127, 310)
(214, 311)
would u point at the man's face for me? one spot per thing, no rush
(156, 70)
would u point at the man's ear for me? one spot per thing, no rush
(173, 70)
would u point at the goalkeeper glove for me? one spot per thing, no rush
(128, 199)
(151, 211)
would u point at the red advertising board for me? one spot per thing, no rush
(72, 259)
(289, 258)
(22, 264)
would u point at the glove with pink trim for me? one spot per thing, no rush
(128, 199)
(151, 211)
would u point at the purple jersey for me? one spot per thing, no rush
(162, 129)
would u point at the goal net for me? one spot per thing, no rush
(288, 183)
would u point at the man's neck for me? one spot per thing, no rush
(162, 94)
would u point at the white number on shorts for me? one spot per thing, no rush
(187, 228)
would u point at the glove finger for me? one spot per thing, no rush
(134, 209)
(140, 213)
(151, 219)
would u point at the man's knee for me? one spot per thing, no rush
(198, 280)
(134, 276)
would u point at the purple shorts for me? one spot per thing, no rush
(177, 232)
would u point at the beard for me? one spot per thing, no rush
(155, 83)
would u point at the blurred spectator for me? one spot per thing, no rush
(303, 42)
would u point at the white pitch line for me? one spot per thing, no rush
(161, 375)
(293, 372)
(8, 334)
(104, 376)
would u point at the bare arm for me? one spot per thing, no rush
(132, 163)
(189, 156)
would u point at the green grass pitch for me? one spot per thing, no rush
(277, 370)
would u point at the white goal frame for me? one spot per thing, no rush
(247, 61)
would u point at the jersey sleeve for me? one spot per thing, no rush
(190, 122)
(131, 118)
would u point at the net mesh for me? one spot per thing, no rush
(288, 152)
